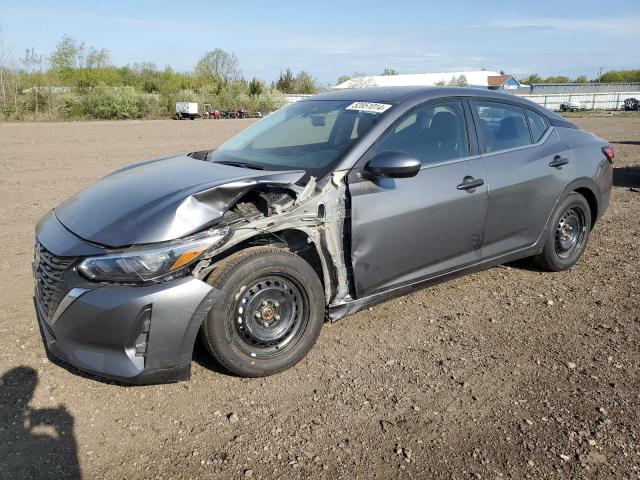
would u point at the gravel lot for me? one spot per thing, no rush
(509, 373)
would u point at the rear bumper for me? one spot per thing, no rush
(135, 335)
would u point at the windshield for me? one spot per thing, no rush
(308, 135)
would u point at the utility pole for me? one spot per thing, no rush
(600, 74)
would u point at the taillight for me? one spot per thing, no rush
(609, 153)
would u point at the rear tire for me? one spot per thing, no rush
(568, 235)
(269, 313)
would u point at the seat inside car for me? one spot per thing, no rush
(442, 137)
(511, 132)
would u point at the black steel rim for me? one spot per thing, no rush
(270, 315)
(570, 232)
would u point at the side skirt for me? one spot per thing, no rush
(340, 310)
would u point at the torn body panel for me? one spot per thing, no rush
(317, 210)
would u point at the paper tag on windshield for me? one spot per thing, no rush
(369, 107)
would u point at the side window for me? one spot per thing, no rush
(502, 126)
(537, 124)
(433, 133)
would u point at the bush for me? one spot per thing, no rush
(70, 106)
(104, 102)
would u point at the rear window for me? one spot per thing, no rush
(502, 126)
(537, 124)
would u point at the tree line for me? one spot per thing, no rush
(76, 80)
(612, 76)
(79, 81)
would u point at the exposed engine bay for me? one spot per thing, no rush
(309, 220)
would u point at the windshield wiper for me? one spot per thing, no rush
(253, 166)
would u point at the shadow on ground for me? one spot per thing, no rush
(34, 442)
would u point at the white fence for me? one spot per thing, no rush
(601, 101)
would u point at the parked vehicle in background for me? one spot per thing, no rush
(210, 113)
(631, 104)
(186, 110)
(330, 205)
(572, 107)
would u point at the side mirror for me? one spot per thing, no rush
(393, 164)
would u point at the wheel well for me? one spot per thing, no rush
(591, 200)
(294, 240)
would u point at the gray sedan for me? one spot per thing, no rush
(325, 207)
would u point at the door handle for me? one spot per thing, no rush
(470, 183)
(558, 161)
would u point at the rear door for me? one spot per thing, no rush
(408, 229)
(527, 169)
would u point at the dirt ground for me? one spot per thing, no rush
(507, 373)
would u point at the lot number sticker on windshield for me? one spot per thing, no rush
(369, 107)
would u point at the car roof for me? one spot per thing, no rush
(398, 95)
(416, 94)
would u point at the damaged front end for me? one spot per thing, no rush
(308, 220)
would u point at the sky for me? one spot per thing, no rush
(331, 38)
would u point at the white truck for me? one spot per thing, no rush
(186, 110)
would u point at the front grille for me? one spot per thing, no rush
(51, 286)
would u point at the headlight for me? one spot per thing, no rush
(152, 262)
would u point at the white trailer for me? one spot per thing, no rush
(186, 110)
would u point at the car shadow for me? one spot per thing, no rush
(203, 358)
(525, 264)
(626, 142)
(627, 177)
(34, 442)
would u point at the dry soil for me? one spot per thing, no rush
(507, 373)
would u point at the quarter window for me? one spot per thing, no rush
(537, 124)
(502, 126)
(432, 134)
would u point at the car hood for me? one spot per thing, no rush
(161, 200)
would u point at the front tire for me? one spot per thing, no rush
(269, 313)
(568, 235)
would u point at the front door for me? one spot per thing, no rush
(406, 230)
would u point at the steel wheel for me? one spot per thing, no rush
(570, 232)
(270, 315)
(567, 234)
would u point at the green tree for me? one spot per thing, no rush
(531, 79)
(97, 58)
(218, 66)
(557, 79)
(460, 81)
(581, 79)
(256, 87)
(621, 76)
(68, 54)
(286, 82)
(305, 83)
(390, 71)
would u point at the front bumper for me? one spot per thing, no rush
(132, 334)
